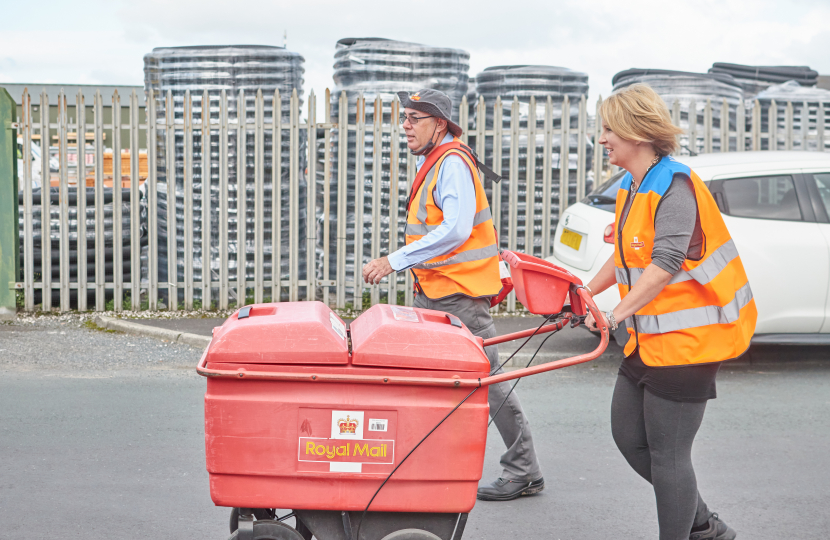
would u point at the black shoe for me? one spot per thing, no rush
(507, 490)
(716, 530)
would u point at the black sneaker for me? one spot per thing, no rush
(507, 490)
(716, 530)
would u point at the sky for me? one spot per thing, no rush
(98, 42)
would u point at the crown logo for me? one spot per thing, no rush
(347, 426)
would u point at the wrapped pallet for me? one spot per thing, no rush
(523, 83)
(805, 115)
(231, 69)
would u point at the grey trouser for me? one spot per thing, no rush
(519, 462)
(655, 435)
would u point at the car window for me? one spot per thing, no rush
(823, 185)
(605, 195)
(765, 197)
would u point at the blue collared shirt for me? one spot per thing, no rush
(455, 194)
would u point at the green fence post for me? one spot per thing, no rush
(9, 243)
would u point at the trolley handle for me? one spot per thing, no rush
(455, 381)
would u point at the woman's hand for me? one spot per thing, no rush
(591, 323)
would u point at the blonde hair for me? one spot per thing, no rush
(638, 113)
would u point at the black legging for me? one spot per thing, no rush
(655, 435)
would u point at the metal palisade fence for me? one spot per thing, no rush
(232, 201)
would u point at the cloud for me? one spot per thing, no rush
(72, 57)
(600, 37)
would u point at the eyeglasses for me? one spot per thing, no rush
(412, 118)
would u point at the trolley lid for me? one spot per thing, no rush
(413, 338)
(281, 333)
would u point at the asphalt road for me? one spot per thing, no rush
(101, 436)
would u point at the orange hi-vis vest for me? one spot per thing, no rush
(471, 269)
(706, 313)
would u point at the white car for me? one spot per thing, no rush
(776, 206)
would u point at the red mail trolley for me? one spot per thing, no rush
(306, 414)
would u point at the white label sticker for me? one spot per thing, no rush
(345, 467)
(337, 325)
(406, 314)
(378, 424)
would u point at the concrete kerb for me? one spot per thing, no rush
(110, 323)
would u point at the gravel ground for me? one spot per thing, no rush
(71, 341)
(60, 342)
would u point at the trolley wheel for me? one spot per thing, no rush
(411, 534)
(272, 530)
(259, 513)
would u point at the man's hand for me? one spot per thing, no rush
(377, 270)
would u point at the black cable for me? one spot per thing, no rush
(547, 319)
(366, 510)
(493, 417)
(363, 517)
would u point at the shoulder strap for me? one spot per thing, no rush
(486, 171)
(439, 152)
(431, 159)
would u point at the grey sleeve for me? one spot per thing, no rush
(675, 223)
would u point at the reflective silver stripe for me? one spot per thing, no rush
(622, 277)
(680, 277)
(463, 257)
(695, 317)
(422, 204)
(703, 274)
(482, 217)
(715, 263)
(419, 229)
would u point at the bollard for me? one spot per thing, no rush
(9, 243)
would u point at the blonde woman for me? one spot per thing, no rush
(686, 301)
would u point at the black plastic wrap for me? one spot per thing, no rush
(54, 234)
(804, 75)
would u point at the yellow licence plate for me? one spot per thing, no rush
(571, 239)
